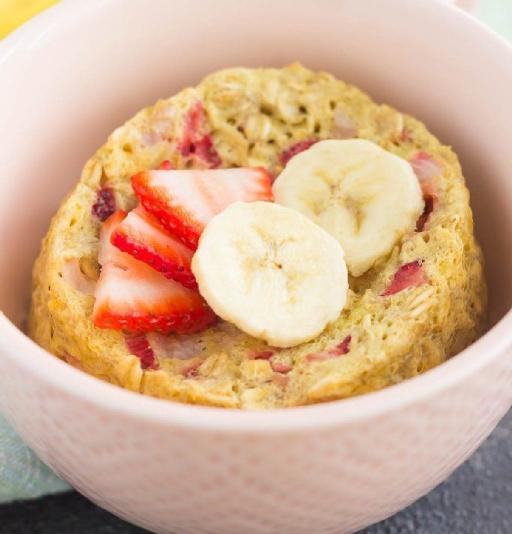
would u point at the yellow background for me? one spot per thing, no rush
(15, 12)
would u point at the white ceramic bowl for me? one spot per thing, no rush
(73, 74)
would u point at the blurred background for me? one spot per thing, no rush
(495, 13)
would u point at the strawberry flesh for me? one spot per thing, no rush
(427, 211)
(338, 350)
(295, 149)
(262, 355)
(166, 165)
(425, 166)
(139, 346)
(132, 296)
(192, 370)
(196, 142)
(105, 204)
(142, 237)
(408, 275)
(281, 367)
(184, 201)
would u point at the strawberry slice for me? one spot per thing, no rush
(184, 201)
(142, 237)
(132, 296)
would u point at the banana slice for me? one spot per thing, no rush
(272, 272)
(363, 195)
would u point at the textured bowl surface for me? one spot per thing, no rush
(334, 467)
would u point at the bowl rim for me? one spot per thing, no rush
(59, 375)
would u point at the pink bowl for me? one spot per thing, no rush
(82, 68)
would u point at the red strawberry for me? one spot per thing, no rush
(261, 355)
(105, 203)
(166, 165)
(196, 142)
(408, 275)
(430, 201)
(139, 346)
(142, 237)
(132, 296)
(191, 370)
(338, 350)
(185, 201)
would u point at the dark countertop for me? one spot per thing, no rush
(476, 499)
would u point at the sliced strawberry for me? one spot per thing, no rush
(408, 275)
(132, 296)
(196, 142)
(295, 149)
(140, 235)
(109, 254)
(185, 201)
(139, 346)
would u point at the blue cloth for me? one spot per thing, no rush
(22, 475)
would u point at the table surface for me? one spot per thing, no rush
(476, 499)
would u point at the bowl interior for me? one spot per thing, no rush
(77, 74)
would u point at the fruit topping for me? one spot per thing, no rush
(184, 201)
(132, 296)
(271, 272)
(364, 196)
(141, 236)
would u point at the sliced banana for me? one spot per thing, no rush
(363, 195)
(272, 272)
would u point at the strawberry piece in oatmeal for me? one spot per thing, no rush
(105, 204)
(139, 346)
(338, 350)
(196, 141)
(408, 275)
